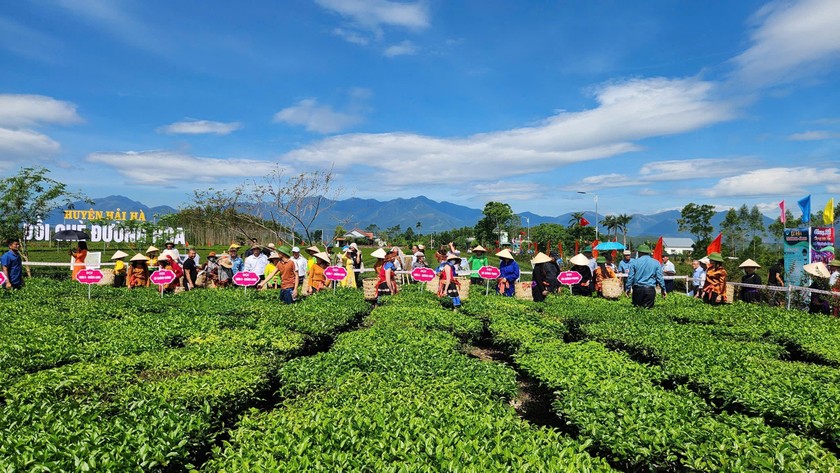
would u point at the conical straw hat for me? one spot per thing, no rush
(119, 254)
(817, 269)
(541, 258)
(749, 264)
(505, 254)
(579, 260)
(139, 257)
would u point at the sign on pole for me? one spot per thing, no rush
(422, 274)
(89, 277)
(162, 277)
(487, 273)
(569, 278)
(2, 279)
(245, 279)
(335, 273)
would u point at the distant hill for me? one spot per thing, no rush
(433, 216)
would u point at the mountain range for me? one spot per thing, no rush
(432, 216)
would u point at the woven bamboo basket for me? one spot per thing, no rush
(612, 288)
(107, 277)
(369, 287)
(730, 293)
(523, 291)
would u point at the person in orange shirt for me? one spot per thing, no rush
(316, 278)
(138, 271)
(714, 292)
(79, 254)
(602, 271)
(288, 275)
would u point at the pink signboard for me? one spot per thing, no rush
(335, 273)
(162, 277)
(89, 276)
(2, 278)
(489, 272)
(422, 274)
(569, 277)
(246, 278)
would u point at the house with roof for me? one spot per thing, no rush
(677, 246)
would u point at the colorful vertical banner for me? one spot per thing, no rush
(796, 255)
(805, 207)
(828, 212)
(783, 216)
(822, 244)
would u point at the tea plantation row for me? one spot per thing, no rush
(224, 382)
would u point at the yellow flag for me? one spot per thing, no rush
(828, 212)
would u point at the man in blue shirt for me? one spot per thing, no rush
(645, 274)
(13, 265)
(624, 264)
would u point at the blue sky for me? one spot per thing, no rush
(651, 105)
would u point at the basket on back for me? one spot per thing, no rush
(612, 288)
(369, 287)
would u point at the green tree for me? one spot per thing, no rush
(733, 229)
(28, 197)
(697, 220)
(611, 224)
(623, 220)
(548, 234)
(498, 217)
(574, 220)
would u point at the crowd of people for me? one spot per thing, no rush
(284, 268)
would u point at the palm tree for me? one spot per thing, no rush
(622, 221)
(610, 223)
(574, 220)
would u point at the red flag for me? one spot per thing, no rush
(583, 222)
(782, 217)
(714, 246)
(577, 247)
(657, 252)
(594, 251)
(560, 248)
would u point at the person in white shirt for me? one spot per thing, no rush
(301, 265)
(256, 262)
(668, 269)
(834, 269)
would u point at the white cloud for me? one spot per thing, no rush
(32, 110)
(18, 145)
(606, 181)
(316, 118)
(502, 191)
(351, 36)
(814, 135)
(791, 39)
(405, 48)
(373, 14)
(699, 168)
(199, 127)
(166, 168)
(626, 112)
(774, 181)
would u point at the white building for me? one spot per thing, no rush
(677, 246)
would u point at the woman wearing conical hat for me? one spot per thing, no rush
(138, 272)
(543, 284)
(819, 274)
(750, 294)
(120, 270)
(509, 270)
